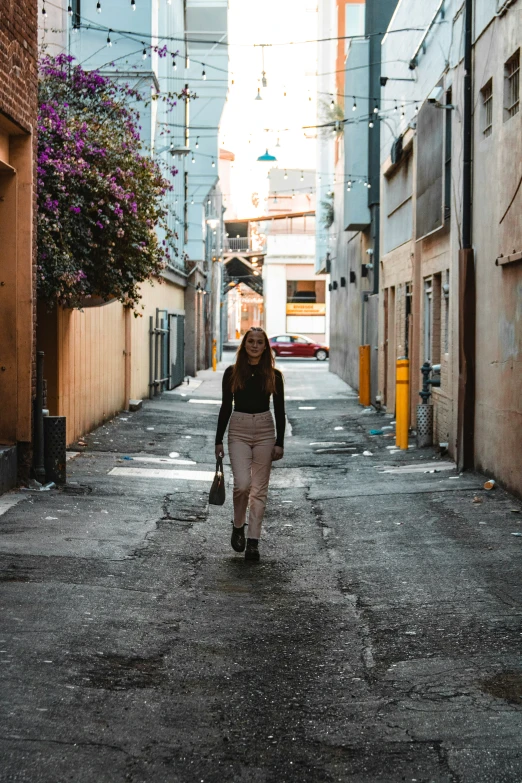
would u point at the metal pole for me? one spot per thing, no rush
(402, 403)
(467, 303)
(39, 464)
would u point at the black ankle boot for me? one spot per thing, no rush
(238, 538)
(252, 551)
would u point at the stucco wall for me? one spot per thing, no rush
(497, 230)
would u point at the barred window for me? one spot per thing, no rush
(512, 86)
(487, 108)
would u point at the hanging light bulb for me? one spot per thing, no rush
(258, 96)
(213, 163)
(293, 194)
(348, 188)
(332, 103)
(133, 5)
(368, 186)
(192, 200)
(208, 202)
(44, 12)
(285, 175)
(302, 176)
(349, 184)
(395, 109)
(174, 63)
(354, 107)
(144, 54)
(402, 110)
(375, 108)
(370, 124)
(203, 74)
(109, 42)
(69, 10)
(193, 159)
(197, 142)
(98, 7)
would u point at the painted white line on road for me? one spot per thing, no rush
(8, 501)
(206, 402)
(163, 461)
(187, 475)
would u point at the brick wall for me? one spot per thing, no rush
(18, 61)
(18, 105)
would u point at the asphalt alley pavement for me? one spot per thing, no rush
(379, 638)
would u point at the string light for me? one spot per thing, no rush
(302, 176)
(285, 175)
(44, 12)
(375, 108)
(197, 142)
(69, 10)
(133, 5)
(193, 159)
(174, 63)
(109, 42)
(354, 107)
(98, 7)
(213, 163)
(192, 200)
(332, 103)
(402, 110)
(203, 73)
(144, 55)
(395, 109)
(370, 124)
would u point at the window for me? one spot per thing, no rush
(437, 325)
(429, 201)
(512, 86)
(487, 108)
(447, 158)
(398, 204)
(76, 13)
(428, 316)
(283, 338)
(445, 292)
(407, 319)
(305, 297)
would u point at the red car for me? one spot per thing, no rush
(297, 345)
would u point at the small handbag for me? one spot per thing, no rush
(216, 496)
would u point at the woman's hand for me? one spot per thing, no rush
(220, 452)
(277, 453)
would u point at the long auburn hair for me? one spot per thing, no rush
(242, 369)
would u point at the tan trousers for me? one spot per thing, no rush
(251, 439)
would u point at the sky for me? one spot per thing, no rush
(290, 69)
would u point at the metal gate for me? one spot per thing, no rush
(166, 351)
(176, 349)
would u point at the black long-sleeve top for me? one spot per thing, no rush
(252, 399)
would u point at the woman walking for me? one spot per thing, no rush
(252, 442)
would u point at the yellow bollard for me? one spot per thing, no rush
(214, 355)
(402, 403)
(364, 375)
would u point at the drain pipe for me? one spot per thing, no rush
(467, 301)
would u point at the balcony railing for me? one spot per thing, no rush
(237, 244)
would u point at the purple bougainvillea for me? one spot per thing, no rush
(100, 195)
